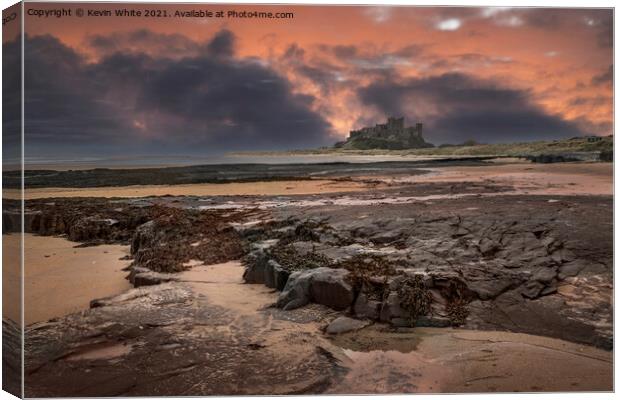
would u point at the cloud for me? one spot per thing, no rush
(605, 77)
(379, 14)
(11, 101)
(222, 44)
(451, 24)
(455, 107)
(143, 41)
(129, 101)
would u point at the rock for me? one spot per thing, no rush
(12, 221)
(326, 286)
(572, 268)
(544, 274)
(145, 277)
(331, 289)
(296, 293)
(345, 324)
(269, 278)
(366, 308)
(255, 262)
(391, 310)
(261, 269)
(550, 289)
(401, 322)
(562, 255)
(144, 236)
(532, 289)
(387, 237)
(280, 275)
(433, 321)
(488, 247)
(264, 244)
(489, 289)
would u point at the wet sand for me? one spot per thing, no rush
(223, 286)
(525, 177)
(210, 333)
(423, 360)
(467, 361)
(529, 178)
(61, 279)
(202, 189)
(11, 278)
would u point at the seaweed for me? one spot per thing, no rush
(457, 311)
(291, 260)
(458, 296)
(368, 274)
(414, 297)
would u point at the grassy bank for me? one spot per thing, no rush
(574, 145)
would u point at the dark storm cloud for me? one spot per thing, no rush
(128, 100)
(321, 72)
(341, 51)
(600, 21)
(591, 101)
(63, 104)
(606, 77)
(373, 58)
(456, 107)
(143, 41)
(222, 44)
(11, 101)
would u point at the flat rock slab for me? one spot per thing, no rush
(345, 324)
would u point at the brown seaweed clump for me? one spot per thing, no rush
(291, 260)
(414, 297)
(457, 296)
(176, 236)
(368, 273)
(457, 311)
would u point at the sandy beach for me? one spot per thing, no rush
(229, 279)
(61, 279)
(531, 178)
(523, 177)
(317, 186)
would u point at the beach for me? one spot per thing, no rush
(297, 286)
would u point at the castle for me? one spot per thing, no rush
(391, 135)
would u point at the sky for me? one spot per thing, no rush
(190, 85)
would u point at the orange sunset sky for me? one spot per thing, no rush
(180, 84)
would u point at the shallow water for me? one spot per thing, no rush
(223, 286)
(456, 361)
(423, 360)
(104, 352)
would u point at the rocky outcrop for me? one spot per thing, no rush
(90, 221)
(476, 270)
(145, 277)
(345, 324)
(325, 286)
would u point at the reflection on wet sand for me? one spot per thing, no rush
(201, 189)
(208, 332)
(420, 360)
(528, 178)
(11, 277)
(460, 361)
(61, 279)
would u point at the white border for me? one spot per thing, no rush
(462, 3)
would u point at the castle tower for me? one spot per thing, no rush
(418, 128)
(396, 123)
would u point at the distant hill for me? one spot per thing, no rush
(585, 147)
